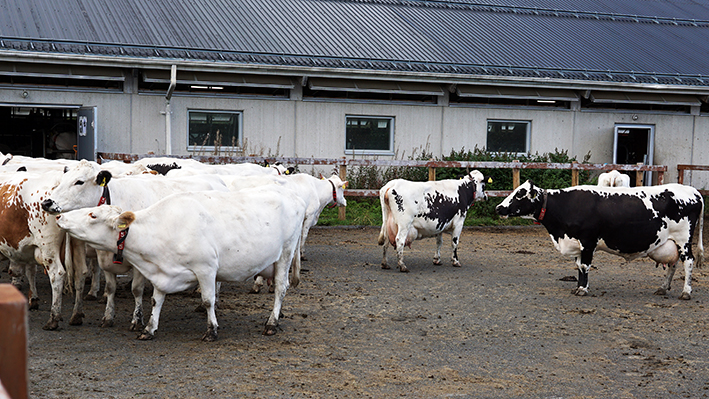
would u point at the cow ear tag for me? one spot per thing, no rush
(103, 182)
(489, 179)
(122, 226)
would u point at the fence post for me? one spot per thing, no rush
(13, 342)
(343, 175)
(574, 174)
(638, 176)
(431, 173)
(660, 178)
(515, 176)
(680, 176)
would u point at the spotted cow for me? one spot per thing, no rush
(656, 222)
(415, 210)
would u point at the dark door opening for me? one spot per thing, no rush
(633, 144)
(38, 132)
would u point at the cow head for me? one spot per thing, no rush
(479, 180)
(338, 193)
(98, 226)
(525, 200)
(80, 187)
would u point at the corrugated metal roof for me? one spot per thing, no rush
(644, 41)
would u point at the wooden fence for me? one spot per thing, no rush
(680, 173)
(343, 163)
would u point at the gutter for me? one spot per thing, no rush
(168, 110)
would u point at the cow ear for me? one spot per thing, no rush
(124, 220)
(66, 169)
(103, 178)
(290, 170)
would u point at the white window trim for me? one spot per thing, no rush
(390, 151)
(211, 148)
(528, 141)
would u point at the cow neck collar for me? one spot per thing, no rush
(543, 211)
(118, 256)
(334, 194)
(105, 196)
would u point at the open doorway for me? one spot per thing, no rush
(634, 144)
(48, 132)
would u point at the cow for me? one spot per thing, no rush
(178, 167)
(200, 238)
(87, 184)
(656, 222)
(613, 179)
(317, 194)
(415, 210)
(29, 237)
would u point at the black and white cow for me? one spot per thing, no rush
(657, 222)
(415, 210)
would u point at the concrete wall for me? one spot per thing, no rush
(134, 123)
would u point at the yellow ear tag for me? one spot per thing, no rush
(489, 179)
(103, 182)
(122, 226)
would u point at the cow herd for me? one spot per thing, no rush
(182, 224)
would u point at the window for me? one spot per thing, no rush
(210, 130)
(508, 136)
(369, 135)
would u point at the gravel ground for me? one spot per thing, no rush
(503, 325)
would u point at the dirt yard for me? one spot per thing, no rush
(503, 325)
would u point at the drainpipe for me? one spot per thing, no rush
(168, 111)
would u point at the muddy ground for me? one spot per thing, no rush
(503, 325)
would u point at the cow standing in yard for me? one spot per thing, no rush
(200, 238)
(416, 210)
(657, 222)
(87, 184)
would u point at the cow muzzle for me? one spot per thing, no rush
(50, 206)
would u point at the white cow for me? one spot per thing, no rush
(613, 179)
(415, 210)
(177, 167)
(317, 194)
(87, 185)
(201, 238)
(29, 236)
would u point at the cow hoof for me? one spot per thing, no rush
(661, 291)
(105, 323)
(52, 325)
(385, 266)
(437, 262)
(456, 264)
(580, 292)
(77, 319)
(145, 336)
(90, 297)
(403, 269)
(255, 290)
(210, 335)
(269, 330)
(685, 296)
(294, 281)
(34, 304)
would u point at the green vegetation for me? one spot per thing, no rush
(367, 211)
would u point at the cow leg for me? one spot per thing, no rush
(455, 240)
(688, 266)
(110, 292)
(669, 274)
(31, 273)
(208, 288)
(95, 282)
(384, 255)
(439, 244)
(158, 300)
(400, 244)
(56, 279)
(584, 264)
(137, 288)
(280, 280)
(80, 272)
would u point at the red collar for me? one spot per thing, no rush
(544, 209)
(105, 197)
(334, 194)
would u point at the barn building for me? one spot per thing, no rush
(626, 80)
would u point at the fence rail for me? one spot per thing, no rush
(343, 163)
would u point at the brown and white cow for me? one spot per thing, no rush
(415, 210)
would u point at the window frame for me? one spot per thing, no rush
(527, 141)
(210, 148)
(392, 127)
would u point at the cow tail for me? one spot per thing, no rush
(386, 210)
(700, 246)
